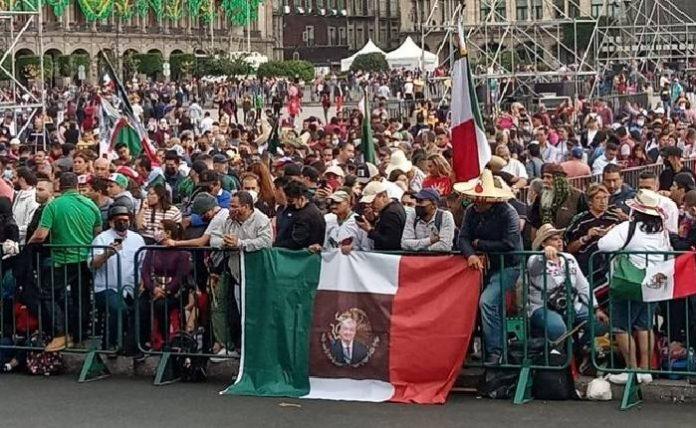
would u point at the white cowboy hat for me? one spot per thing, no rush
(398, 160)
(646, 202)
(545, 232)
(485, 188)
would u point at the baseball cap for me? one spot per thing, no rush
(428, 194)
(292, 170)
(335, 170)
(365, 172)
(119, 179)
(14, 142)
(577, 152)
(203, 202)
(84, 179)
(220, 158)
(373, 189)
(340, 196)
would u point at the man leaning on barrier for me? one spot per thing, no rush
(114, 276)
(72, 220)
(491, 225)
(245, 229)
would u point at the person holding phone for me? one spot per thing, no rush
(342, 231)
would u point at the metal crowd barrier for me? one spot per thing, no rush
(182, 329)
(673, 320)
(59, 298)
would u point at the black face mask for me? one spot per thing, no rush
(121, 225)
(421, 212)
(170, 170)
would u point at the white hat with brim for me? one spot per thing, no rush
(335, 170)
(646, 202)
(373, 189)
(398, 160)
(486, 188)
(545, 232)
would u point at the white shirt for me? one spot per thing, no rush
(336, 233)
(672, 213)
(107, 276)
(206, 124)
(516, 168)
(641, 241)
(599, 164)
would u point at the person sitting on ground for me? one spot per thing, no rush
(428, 228)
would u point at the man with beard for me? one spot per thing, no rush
(558, 202)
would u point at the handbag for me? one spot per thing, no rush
(626, 279)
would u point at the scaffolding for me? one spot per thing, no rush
(525, 48)
(22, 23)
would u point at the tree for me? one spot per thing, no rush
(371, 62)
(301, 69)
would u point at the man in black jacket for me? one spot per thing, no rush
(303, 222)
(391, 218)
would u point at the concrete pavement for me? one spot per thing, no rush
(133, 402)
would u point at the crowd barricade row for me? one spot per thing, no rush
(658, 328)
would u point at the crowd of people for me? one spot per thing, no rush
(272, 177)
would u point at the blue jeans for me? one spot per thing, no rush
(555, 322)
(112, 309)
(491, 306)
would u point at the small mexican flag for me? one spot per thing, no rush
(362, 327)
(671, 279)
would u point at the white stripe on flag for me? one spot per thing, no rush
(461, 102)
(658, 283)
(349, 389)
(359, 272)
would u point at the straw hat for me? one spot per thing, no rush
(646, 202)
(545, 232)
(398, 160)
(486, 188)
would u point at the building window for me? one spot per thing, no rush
(308, 35)
(359, 37)
(351, 38)
(342, 36)
(522, 10)
(537, 9)
(597, 8)
(296, 56)
(331, 36)
(498, 15)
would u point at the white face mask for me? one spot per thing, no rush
(640, 123)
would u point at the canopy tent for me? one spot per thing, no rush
(369, 47)
(409, 55)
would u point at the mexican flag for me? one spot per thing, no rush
(362, 327)
(671, 279)
(471, 151)
(367, 144)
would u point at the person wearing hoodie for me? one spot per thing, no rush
(619, 191)
(24, 203)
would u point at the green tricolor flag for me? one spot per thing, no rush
(362, 327)
(367, 144)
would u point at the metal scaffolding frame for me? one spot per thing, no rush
(22, 24)
(578, 41)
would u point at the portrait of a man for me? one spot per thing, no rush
(345, 350)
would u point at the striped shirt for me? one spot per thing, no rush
(579, 226)
(152, 219)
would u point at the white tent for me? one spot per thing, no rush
(368, 48)
(409, 55)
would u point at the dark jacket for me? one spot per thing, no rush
(301, 228)
(618, 200)
(358, 353)
(497, 231)
(389, 227)
(575, 203)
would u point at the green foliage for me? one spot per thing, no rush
(149, 63)
(7, 65)
(222, 67)
(182, 65)
(236, 10)
(68, 65)
(301, 69)
(28, 67)
(372, 62)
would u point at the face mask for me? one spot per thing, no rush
(121, 225)
(170, 170)
(421, 212)
(640, 123)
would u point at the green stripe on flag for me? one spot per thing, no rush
(367, 144)
(473, 97)
(278, 297)
(130, 137)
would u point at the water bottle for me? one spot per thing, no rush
(199, 339)
(691, 365)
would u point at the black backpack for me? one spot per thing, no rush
(188, 368)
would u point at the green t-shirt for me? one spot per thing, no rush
(71, 218)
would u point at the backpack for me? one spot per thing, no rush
(189, 369)
(40, 362)
(549, 384)
(498, 383)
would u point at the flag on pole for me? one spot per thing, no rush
(140, 140)
(362, 327)
(367, 144)
(471, 151)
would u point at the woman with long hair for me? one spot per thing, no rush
(266, 189)
(638, 157)
(631, 317)
(155, 208)
(439, 175)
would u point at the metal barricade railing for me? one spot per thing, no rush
(53, 287)
(185, 306)
(638, 309)
(523, 345)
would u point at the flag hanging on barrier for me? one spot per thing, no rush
(362, 327)
(671, 279)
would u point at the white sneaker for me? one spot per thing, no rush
(645, 378)
(221, 356)
(618, 379)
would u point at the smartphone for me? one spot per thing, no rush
(360, 218)
(321, 184)
(118, 241)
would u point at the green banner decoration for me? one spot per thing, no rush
(141, 7)
(58, 6)
(240, 12)
(124, 9)
(95, 10)
(157, 7)
(194, 7)
(173, 9)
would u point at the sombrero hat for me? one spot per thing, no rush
(545, 232)
(485, 188)
(646, 202)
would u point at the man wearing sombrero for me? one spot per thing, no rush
(491, 227)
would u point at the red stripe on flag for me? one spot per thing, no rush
(685, 275)
(465, 156)
(432, 321)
